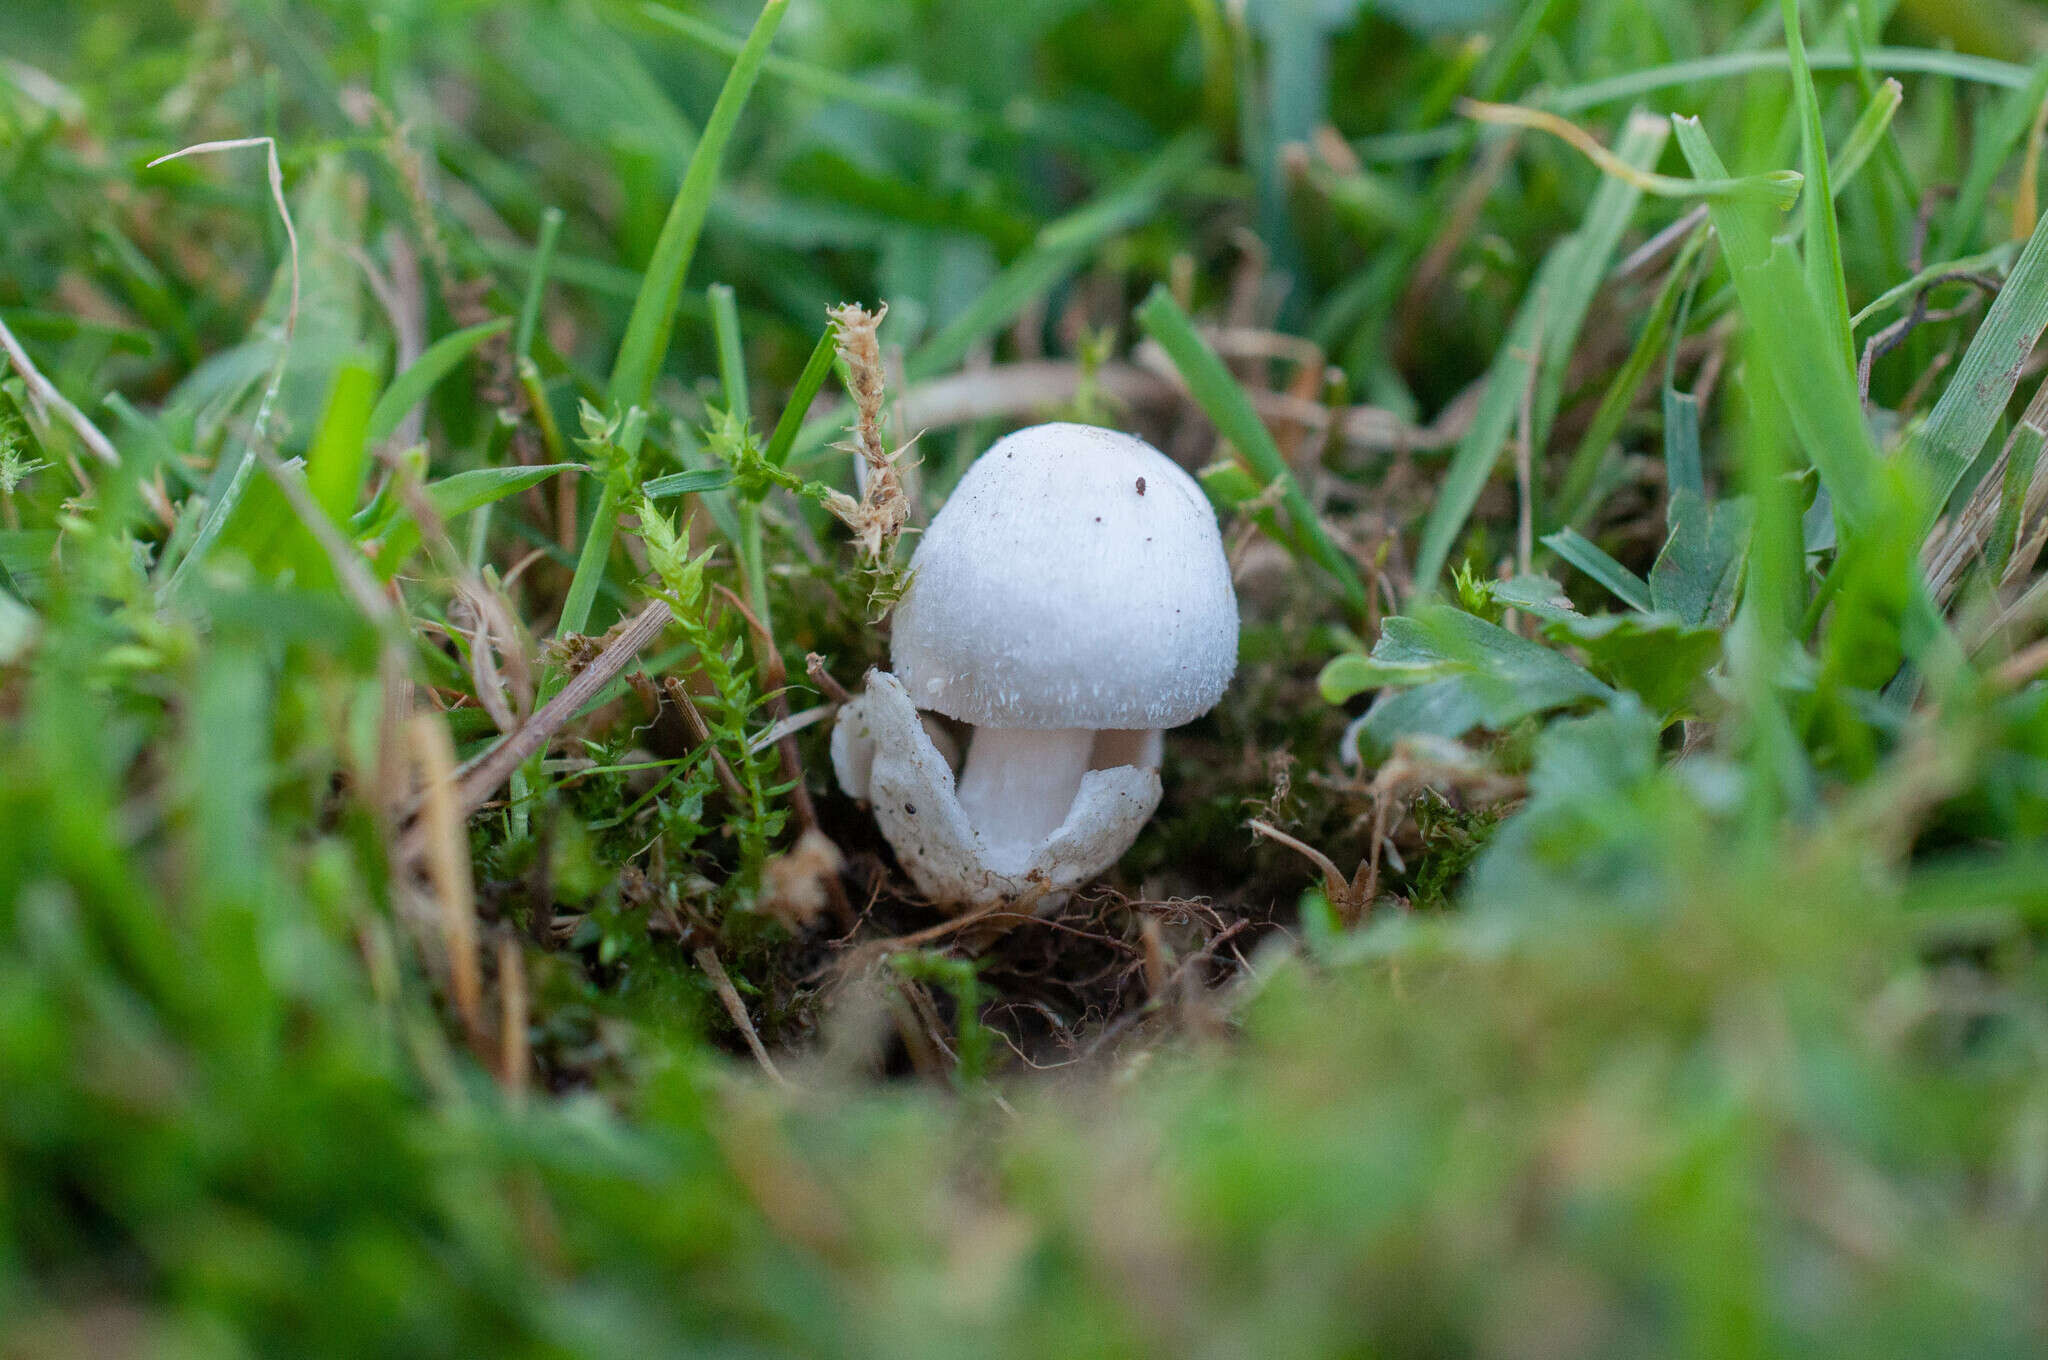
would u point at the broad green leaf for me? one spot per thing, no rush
(1659, 658)
(1698, 575)
(1460, 672)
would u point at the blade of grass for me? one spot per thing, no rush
(1230, 410)
(1587, 556)
(1550, 318)
(1778, 187)
(654, 310)
(537, 282)
(732, 374)
(1975, 400)
(604, 524)
(1870, 136)
(947, 115)
(686, 483)
(1060, 249)
(1991, 153)
(410, 388)
(244, 467)
(1993, 261)
(808, 384)
(1824, 276)
(338, 460)
(1731, 65)
(1584, 469)
(1792, 346)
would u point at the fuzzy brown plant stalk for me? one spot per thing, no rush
(877, 518)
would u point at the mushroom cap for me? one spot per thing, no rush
(1076, 578)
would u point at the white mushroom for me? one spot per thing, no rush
(1070, 602)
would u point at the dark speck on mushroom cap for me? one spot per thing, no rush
(1050, 592)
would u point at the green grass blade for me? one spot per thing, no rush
(410, 388)
(1871, 134)
(1791, 345)
(1544, 333)
(1991, 154)
(1583, 471)
(812, 381)
(926, 110)
(654, 310)
(338, 460)
(1575, 548)
(732, 358)
(1993, 261)
(1060, 249)
(1824, 276)
(537, 282)
(1230, 410)
(604, 525)
(1732, 65)
(686, 483)
(1976, 397)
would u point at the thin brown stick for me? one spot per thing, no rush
(1030, 389)
(700, 732)
(445, 852)
(729, 996)
(515, 1055)
(1334, 882)
(45, 392)
(482, 777)
(2022, 667)
(1954, 546)
(814, 666)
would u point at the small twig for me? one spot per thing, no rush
(814, 666)
(2022, 667)
(1894, 335)
(515, 1055)
(46, 393)
(482, 776)
(1659, 249)
(444, 847)
(1334, 882)
(700, 732)
(861, 955)
(729, 996)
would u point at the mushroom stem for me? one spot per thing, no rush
(1019, 783)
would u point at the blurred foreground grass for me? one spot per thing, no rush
(1643, 624)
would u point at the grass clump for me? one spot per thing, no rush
(1602, 918)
